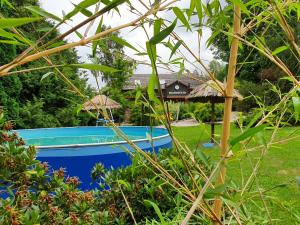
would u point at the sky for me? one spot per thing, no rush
(136, 37)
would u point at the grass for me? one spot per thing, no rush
(280, 165)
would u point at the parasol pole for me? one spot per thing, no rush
(178, 111)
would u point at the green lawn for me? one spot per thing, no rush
(280, 165)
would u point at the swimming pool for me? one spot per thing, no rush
(78, 148)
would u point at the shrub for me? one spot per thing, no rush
(200, 111)
(144, 189)
(31, 193)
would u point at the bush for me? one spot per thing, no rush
(33, 194)
(140, 114)
(200, 111)
(34, 116)
(144, 190)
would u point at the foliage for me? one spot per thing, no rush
(50, 97)
(32, 194)
(255, 67)
(200, 111)
(276, 174)
(140, 114)
(141, 185)
(255, 71)
(218, 69)
(111, 53)
(268, 29)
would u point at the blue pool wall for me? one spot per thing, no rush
(80, 159)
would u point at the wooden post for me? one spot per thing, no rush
(213, 119)
(178, 111)
(228, 107)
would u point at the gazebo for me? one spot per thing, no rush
(211, 91)
(101, 101)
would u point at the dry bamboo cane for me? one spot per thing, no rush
(228, 106)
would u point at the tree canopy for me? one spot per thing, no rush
(39, 98)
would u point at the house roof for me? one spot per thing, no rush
(165, 80)
(211, 90)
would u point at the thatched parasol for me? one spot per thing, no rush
(211, 91)
(100, 101)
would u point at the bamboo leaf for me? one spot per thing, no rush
(79, 34)
(279, 49)
(46, 75)
(43, 13)
(212, 37)
(248, 133)
(241, 5)
(162, 34)
(151, 87)
(7, 3)
(122, 42)
(124, 183)
(175, 48)
(157, 210)
(82, 5)
(182, 18)
(97, 67)
(157, 26)
(201, 156)
(11, 42)
(296, 103)
(84, 11)
(95, 43)
(217, 191)
(191, 9)
(151, 50)
(199, 10)
(87, 3)
(138, 95)
(254, 119)
(15, 22)
(6, 34)
(79, 108)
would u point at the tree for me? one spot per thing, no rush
(48, 97)
(110, 53)
(255, 66)
(218, 69)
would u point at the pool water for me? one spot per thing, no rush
(78, 149)
(85, 135)
(73, 140)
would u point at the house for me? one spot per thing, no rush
(173, 86)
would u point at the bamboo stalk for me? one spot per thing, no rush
(228, 106)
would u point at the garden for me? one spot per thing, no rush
(149, 112)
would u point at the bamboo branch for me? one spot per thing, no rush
(5, 68)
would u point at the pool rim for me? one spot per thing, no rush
(45, 147)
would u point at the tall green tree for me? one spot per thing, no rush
(110, 52)
(256, 73)
(255, 67)
(28, 99)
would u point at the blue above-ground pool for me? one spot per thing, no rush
(78, 148)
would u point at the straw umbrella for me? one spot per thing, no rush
(211, 91)
(101, 101)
